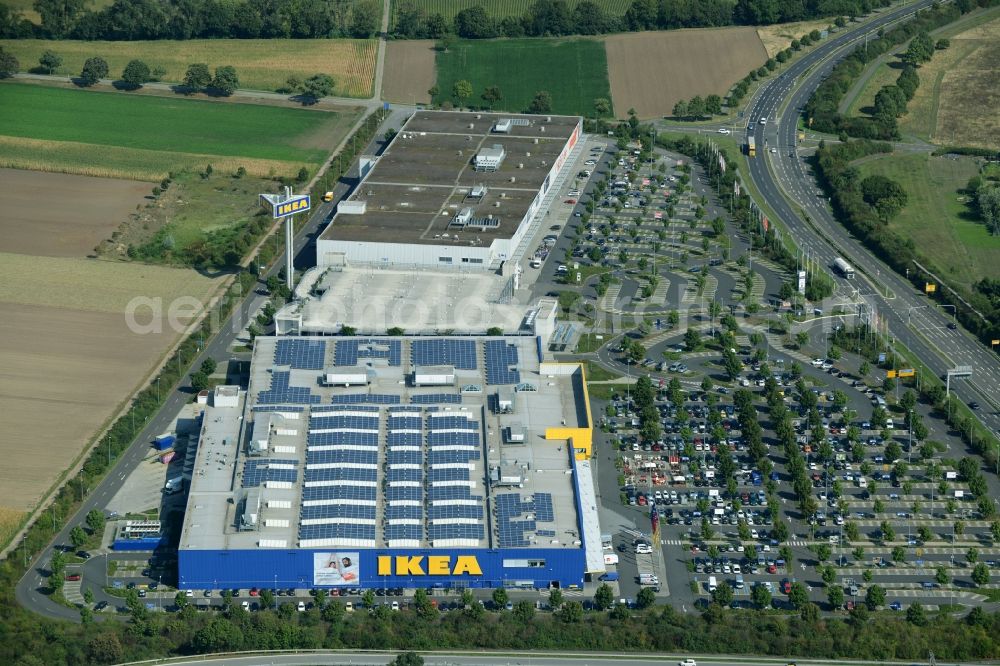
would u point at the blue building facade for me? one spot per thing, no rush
(382, 568)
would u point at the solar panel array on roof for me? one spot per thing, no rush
(411, 475)
(300, 353)
(348, 351)
(356, 438)
(404, 493)
(396, 512)
(341, 474)
(445, 351)
(404, 532)
(281, 393)
(436, 399)
(404, 470)
(438, 532)
(542, 504)
(337, 531)
(455, 511)
(403, 439)
(363, 398)
(321, 410)
(501, 363)
(339, 420)
(407, 421)
(545, 533)
(510, 508)
(365, 457)
(278, 408)
(257, 471)
(324, 493)
(359, 511)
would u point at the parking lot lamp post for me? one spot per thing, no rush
(909, 438)
(275, 595)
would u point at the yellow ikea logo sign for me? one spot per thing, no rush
(433, 565)
(292, 206)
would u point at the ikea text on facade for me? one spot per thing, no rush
(430, 565)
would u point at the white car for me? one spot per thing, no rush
(302, 606)
(818, 362)
(590, 162)
(687, 662)
(723, 130)
(763, 120)
(774, 151)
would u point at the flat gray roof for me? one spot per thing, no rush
(390, 464)
(424, 177)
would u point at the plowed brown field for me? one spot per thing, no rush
(651, 71)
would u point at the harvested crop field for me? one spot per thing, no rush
(262, 64)
(77, 212)
(64, 373)
(779, 36)
(68, 355)
(409, 71)
(651, 71)
(968, 89)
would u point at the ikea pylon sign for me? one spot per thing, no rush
(428, 565)
(296, 204)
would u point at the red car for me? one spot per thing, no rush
(254, 592)
(786, 586)
(72, 576)
(772, 569)
(570, 201)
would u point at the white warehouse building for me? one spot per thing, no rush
(454, 190)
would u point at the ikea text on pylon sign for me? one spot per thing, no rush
(430, 565)
(294, 205)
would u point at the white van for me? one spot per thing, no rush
(712, 584)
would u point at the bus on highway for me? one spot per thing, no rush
(751, 146)
(843, 268)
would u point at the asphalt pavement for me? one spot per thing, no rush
(787, 185)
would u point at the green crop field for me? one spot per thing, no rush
(117, 131)
(573, 71)
(503, 8)
(935, 216)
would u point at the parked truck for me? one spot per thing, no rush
(164, 441)
(648, 579)
(176, 484)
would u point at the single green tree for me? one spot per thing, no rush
(50, 61)
(645, 598)
(136, 73)
(981, 574)
(541, 102)
(875, 597)
(226, 81)
(603, 597)
(94, 69)
(317, 87)
(461, 91)
(197, 77)
(500, 597)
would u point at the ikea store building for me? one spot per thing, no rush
(388, 462)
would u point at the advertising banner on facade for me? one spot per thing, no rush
(337, 569)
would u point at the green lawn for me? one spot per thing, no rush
(935, 216)
(159, 123)
(573, 71)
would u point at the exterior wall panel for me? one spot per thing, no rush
(283, 568)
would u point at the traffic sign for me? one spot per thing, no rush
(906, 372)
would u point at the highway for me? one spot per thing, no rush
(783, 175)
(514, 659)
(28, 592)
